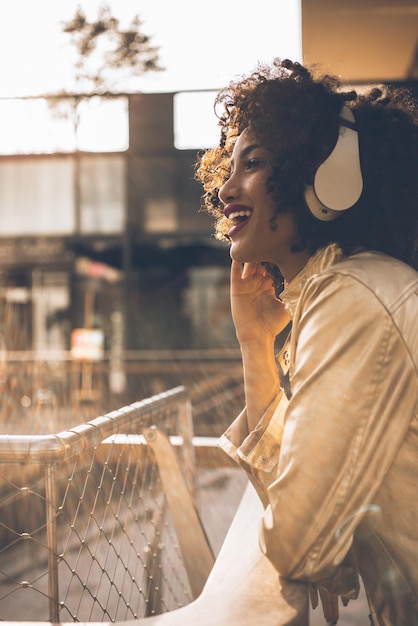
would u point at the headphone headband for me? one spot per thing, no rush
(338, 182)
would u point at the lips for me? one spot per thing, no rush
(238, 215)
(233, 210)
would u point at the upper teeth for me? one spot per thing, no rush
(235, 214)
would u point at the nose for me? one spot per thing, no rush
(228, 192)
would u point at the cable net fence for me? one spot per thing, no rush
(85, 530)
(49, 393)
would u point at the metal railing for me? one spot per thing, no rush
(98, 523)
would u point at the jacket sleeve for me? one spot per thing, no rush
(349, 377)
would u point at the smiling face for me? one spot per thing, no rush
(250, 209)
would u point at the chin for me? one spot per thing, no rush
(236, 256)
(240, 256)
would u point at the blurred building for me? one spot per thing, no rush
(113, 239)
(110, 240)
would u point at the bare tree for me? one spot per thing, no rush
(109, 56)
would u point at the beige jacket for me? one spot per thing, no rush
(337, 465)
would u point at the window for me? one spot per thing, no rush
(49, 125)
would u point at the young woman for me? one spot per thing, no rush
(316, 190)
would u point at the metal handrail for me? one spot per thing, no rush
(49, 451)
(54, 448)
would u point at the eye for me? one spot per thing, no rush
(253, 163)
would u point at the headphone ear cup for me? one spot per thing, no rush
(338, 181)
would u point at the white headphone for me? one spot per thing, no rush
(338, 181)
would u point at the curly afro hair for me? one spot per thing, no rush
(294, 113)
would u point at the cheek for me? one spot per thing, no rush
(284, 227)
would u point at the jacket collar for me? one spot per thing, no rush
(319, 261)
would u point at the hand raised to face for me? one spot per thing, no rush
(256, 311)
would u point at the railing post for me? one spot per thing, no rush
(187, 450)
(51, 538)
(195, 548)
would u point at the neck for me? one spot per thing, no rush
(294, 265)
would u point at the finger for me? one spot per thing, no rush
(250, 269)
(313, 592)
(261, 269)
(329, 605)
(236, 270)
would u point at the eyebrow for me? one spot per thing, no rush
(246, 151)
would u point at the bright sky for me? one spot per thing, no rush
(202, 45)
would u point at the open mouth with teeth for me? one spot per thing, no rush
(238, 217)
